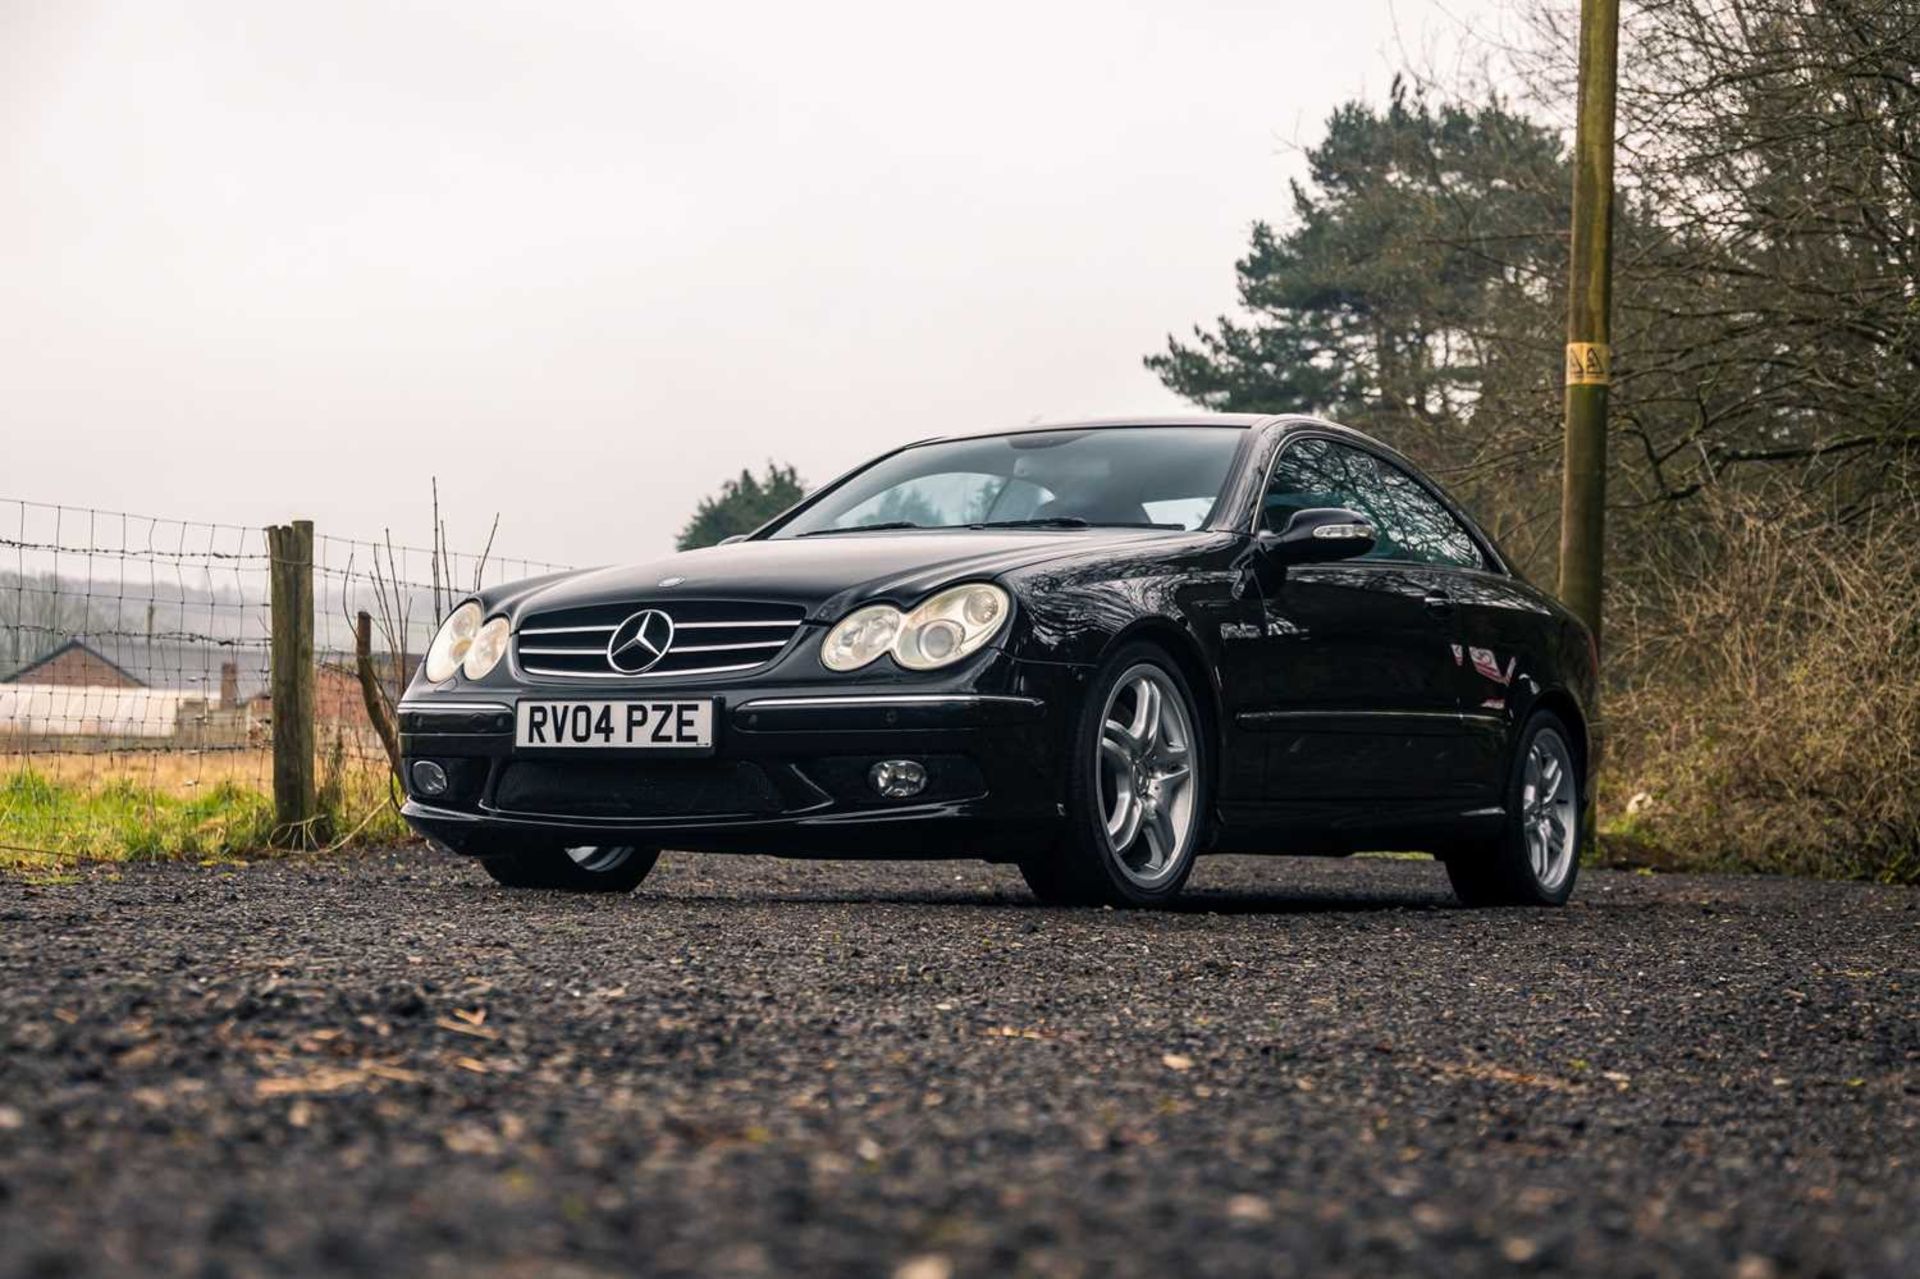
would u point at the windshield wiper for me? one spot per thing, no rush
(1070, 521)
(860, 528)
(1045, 521)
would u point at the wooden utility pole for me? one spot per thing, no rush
(1583, 494)
(290, 557)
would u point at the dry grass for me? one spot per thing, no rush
(58, 810)
(1766, 713)
(178, 773)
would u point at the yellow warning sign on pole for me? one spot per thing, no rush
(1589, 364)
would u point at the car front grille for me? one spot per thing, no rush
(710, 637)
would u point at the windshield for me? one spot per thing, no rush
(1145, 477)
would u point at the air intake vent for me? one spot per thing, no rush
(709, 637)
(587, 788)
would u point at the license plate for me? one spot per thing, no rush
(622, 725)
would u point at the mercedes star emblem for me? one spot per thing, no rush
(640, 641)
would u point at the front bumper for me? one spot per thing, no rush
(787, 775)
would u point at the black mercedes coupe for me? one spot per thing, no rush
(1096, 650)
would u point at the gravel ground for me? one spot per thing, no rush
(386, 1065)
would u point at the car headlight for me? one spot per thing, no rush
(938, 633)
(860, 637)
(450, 645)
(488, 647)
(950, 625)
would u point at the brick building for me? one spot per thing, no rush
(74, 664)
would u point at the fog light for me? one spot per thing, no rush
(429, 778)
(898, 778)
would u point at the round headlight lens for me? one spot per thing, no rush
(982, 608)
(488, 647)
(860, 637)
(939, 639)
(449, 647)
(950, 625)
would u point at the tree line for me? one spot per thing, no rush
(1767, 290)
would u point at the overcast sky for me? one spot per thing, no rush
(584, 260)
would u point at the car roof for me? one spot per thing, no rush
(1240, 421)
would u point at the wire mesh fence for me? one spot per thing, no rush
(135, 658)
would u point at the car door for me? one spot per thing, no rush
(1352, 694)
(1484, 649)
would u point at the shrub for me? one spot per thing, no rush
(1765, 708)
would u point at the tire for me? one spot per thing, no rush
(1536, 858)
(610, 869)
(1136, 790)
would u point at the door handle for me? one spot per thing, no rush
(1438, 603)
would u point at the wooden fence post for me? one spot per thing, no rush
(372, 692)
(290, 549)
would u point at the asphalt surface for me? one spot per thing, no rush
(385, 1065)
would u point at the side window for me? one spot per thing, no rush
(1413, 525)
(1310, 473)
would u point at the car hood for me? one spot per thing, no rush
(826, 575)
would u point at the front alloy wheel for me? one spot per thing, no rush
(588, 868)
(1146, 776)
(1134, 793)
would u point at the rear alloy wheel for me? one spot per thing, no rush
(586, 868)
(1537, 857)
(1135, 793)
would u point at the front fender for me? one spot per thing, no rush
(1075, 611)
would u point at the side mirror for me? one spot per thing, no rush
(1320, 535)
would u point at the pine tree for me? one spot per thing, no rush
(742, 505)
